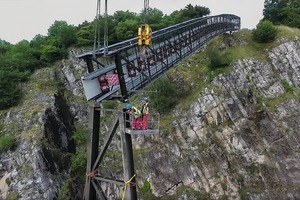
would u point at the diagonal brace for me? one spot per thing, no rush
(110, 135)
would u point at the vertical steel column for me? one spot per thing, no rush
(121, 75)
(89, 63)
(128, 164)
(92, 150)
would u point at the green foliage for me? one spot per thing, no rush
(146, 187)
(4, 47)
(78, 164)
(10, 89)
(285, 12)
(165, 97)
(7, 142)
(13, 196)
(264, 32)
(85, 36)
(155, 18)
(189, 12)
(121, 16)
(79, 136)
(126, 29)
(287, 86)
(146, 192)
(110, 104)
(216, 59)
(64, 192)
(252, 168)
(64, 34)
(51, 53)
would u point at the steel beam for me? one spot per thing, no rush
(121, 75)
(92, 151)
(89, 63)
(110, 180)
(128, 164)
(98, 189)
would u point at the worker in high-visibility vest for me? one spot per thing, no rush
(136, 114)
(144, 35)
(145, 113)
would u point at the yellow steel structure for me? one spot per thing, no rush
(144, 35)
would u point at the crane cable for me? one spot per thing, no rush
(105, 30)
(146, 10)
(97, 36)
(97, 29)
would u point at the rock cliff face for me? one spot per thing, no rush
(238, 140)
(43, 126)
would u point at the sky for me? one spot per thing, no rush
(24, 19)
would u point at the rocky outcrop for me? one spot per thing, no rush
(43, 126)
(238, 140)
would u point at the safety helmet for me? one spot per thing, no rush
(128, 106)
(145, 98)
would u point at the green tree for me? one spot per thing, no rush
(154, 18)
(38, 41)
(24, 57)
(10, 88)
(4, 47)
(189, 12)
(265, 32)
(127, 29)
(85, 35)
(286, 12)
(165, 97)
(51, 53)
(64, 34)
(121, 16)
(290, 16)
(216, 59)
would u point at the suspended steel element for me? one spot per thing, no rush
(144, 31)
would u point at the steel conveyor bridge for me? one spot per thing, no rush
(122, 69)
(128, 70)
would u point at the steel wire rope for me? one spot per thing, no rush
(97, 29)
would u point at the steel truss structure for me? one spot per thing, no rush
(133, 70)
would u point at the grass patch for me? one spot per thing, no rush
(80, 136)
(287, 32)
(190, 193)
(287, 86)
(272, 103)
(146, 188)
(7, 142)
(252, 168)
(13, 196)
(64, 192)
(257, 189)
(110, 104)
